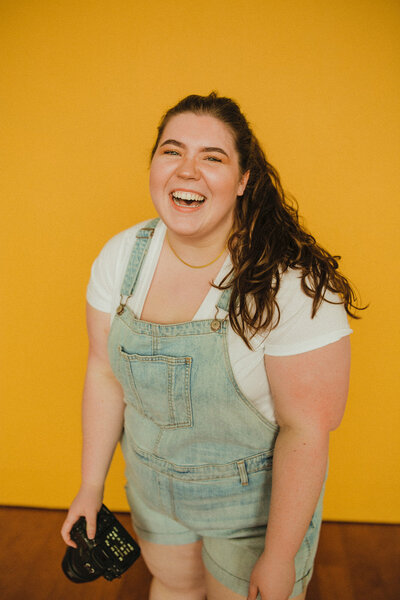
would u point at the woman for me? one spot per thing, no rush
(228, 343)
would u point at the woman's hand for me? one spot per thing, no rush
(274, 580)
(87, 503)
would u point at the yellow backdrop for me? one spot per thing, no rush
(84, 85)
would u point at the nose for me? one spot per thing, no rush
(188, 168)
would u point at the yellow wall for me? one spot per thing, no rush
(84, 85)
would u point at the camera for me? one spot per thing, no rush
(109, 554)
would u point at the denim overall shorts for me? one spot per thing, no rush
(198, 454)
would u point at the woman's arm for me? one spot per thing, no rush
(309, 392)
(102, 424)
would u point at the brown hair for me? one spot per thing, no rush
(267, 237)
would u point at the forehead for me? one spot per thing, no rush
(203, 130)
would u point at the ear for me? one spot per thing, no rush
(242, 183)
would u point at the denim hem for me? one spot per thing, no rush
(168, 539)
(240, 585)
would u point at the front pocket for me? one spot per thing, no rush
(159, 387)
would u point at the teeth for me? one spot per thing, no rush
(188, 196)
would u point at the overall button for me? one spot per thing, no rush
(215, 325)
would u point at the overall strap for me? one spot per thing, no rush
(223, 302)
(139, 251)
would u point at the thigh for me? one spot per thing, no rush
(216, 591)
(230, 562)
(176, 566)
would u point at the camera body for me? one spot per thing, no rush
(110, 554)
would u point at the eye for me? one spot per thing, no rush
(213, 159)
(172, 152)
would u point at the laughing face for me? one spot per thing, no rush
(195, 176)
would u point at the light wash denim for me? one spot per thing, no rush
(198, 453)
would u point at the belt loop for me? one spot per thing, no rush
(242, 472)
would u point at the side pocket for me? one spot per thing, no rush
(159, 387)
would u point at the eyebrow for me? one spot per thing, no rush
(205, 149)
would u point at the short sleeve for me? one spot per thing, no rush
(108, 269)
(99, 291)
(296, 331)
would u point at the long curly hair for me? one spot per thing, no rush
(267, 237)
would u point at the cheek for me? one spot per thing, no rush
(228, 188)
(157, 178)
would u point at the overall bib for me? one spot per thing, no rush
(198, 453)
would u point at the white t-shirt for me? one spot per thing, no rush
(296, 332)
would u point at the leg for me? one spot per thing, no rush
(178, 572)
(217, 591)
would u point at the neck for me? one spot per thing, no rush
(197, 252)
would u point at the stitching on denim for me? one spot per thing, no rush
(241, 465)
(204, 480)
(138, 254)
(188, 393)
(304, 576)
(220, 567)
(170, 396)
(209, 475)
(160, 330)
(161, 358)
(172, 499)
(160, 502)
(138, 404)
(306, 568)
(155, 344)
(271, 426)
(223, 301)
(172, 363)
(158, 440)
(115, 365)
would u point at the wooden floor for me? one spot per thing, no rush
(354, 562)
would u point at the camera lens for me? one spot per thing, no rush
(77, 569)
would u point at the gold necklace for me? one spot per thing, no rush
(195, 266)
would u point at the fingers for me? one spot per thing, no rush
(91, 524)
(65, 531)
(253, 591)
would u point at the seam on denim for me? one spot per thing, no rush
(160, 502)
(137, 329)
(164, 358)
(155, 344)
(138, 254)
(188, 393)
(172, 363)
(158, 440)
(205, 480)
(306, 568)
(135, 263)
(162, 427)
(267, 455)
(271, 426)
(116, 367)
(138, 404)
(304, 576)
(207, 477)
(220, 567)
(171, 498)
(170, 396)
(162, 327)
(172, 534)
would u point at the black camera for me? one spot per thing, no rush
(110, 553)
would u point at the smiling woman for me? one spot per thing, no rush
(195, 180)
(219, 350)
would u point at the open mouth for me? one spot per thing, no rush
(187, 199)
